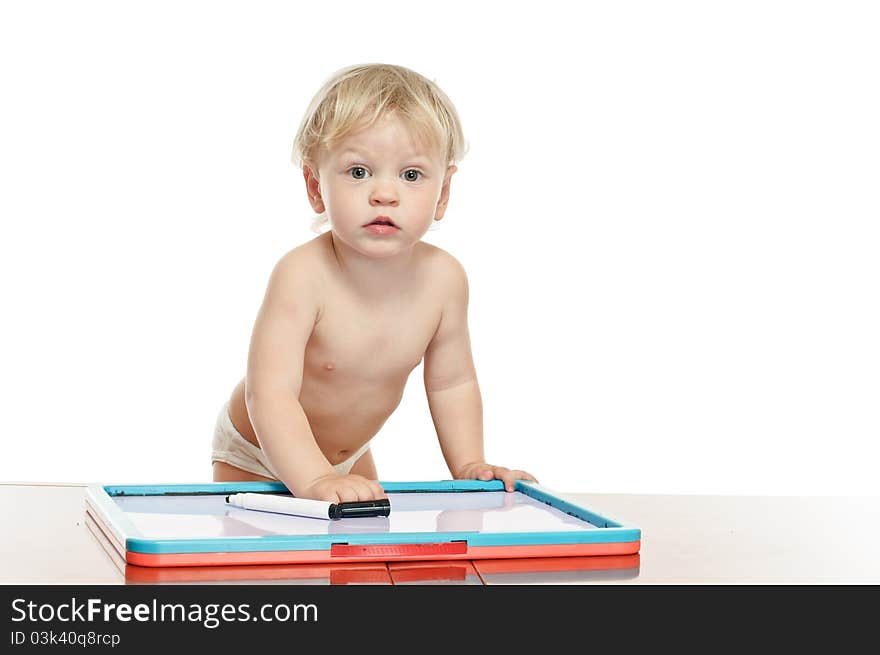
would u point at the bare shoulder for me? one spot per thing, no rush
(305, 256)
(446, 273)
(296, 276)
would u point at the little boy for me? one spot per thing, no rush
(348, 315)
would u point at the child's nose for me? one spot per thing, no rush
(383, 193)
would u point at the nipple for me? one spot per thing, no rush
(329, 366)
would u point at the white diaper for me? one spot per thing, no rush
(231, 447)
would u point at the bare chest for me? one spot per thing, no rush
(368, 347)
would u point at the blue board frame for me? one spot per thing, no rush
(100, 498)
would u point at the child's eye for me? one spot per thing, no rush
(358, 172)
(409, 173)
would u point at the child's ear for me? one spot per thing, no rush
(313, 189)
(444, 194)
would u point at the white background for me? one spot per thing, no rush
(668, 213)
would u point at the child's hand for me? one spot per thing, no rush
(336, 488)
(483, 471)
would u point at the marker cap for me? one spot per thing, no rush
(362, 508)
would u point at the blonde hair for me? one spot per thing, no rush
(355, 97)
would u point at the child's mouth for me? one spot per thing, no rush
(381, 225)
(382, 220)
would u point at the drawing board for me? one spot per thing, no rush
(192, 525)
(533, 570)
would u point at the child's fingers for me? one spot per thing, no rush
(378, 491)
(506, 476)
(353, 490)
(511, 476)
(346, 494)
(367, 489)
(522, 475)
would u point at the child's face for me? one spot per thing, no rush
(381, 171)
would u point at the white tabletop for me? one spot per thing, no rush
(686, 539)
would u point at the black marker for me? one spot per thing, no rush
(317, 509)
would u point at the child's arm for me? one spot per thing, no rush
(274, 378)
(454, 394)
